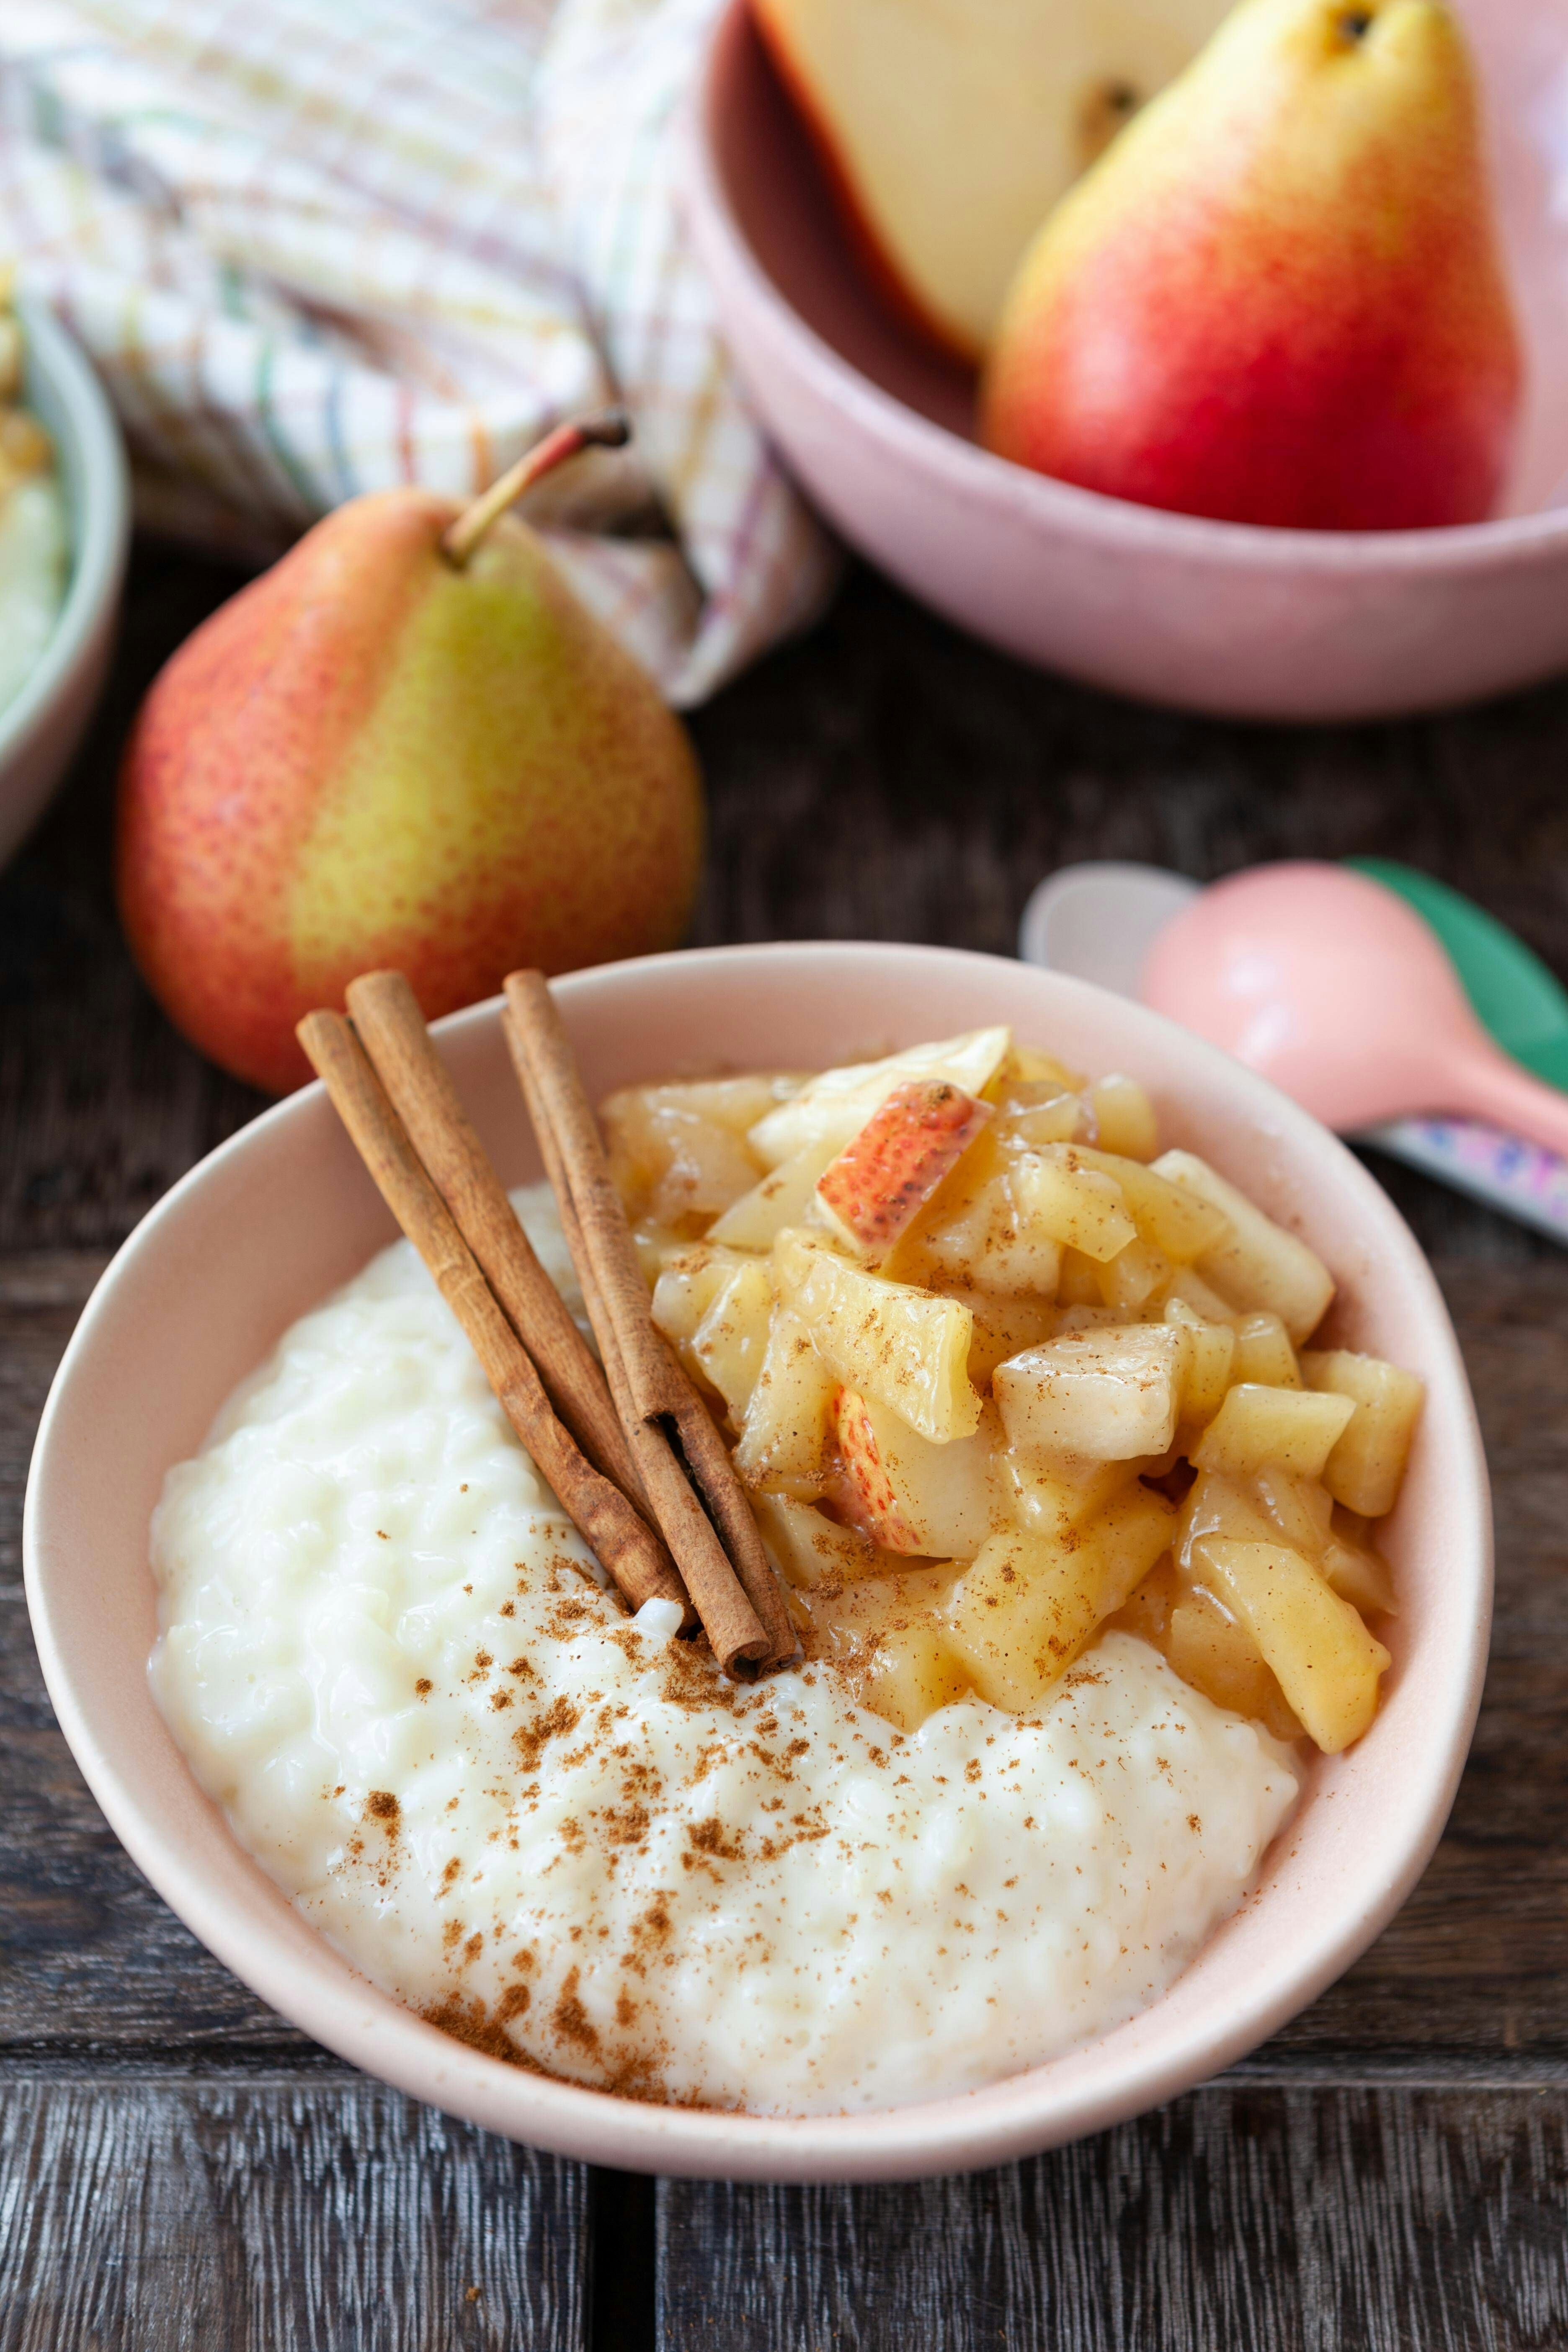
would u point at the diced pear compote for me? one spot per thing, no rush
(907, 1348)
(998, 1373)
(911, 1494)
(1028, 1604)
(785, 1437)
(1109, 1395)
(1365, 1470)
(679, 1153)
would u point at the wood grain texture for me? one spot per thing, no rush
(143, 2214)
(1300, 2221)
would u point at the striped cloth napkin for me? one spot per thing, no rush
(319, 246)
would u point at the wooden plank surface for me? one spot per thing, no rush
(277, 2215)
(1239, 2220)
(175, 2162)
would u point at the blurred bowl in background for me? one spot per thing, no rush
(41, 728)
(1221, 617)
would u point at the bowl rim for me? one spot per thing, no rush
(971, 472)
(1023, 2113)
(99, 521)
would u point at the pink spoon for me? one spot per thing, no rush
(1331, 985)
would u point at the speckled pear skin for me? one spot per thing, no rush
(1278, 296)
(369, 758)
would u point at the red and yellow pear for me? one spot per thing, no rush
(1278, 296)
(406, 744)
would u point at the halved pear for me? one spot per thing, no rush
(951, 127)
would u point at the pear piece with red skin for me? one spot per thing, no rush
(871, 1499)
(374, 755)
(909, 1494)
(1278, 296)
(880, 1181)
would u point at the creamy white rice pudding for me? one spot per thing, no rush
(562, 1834)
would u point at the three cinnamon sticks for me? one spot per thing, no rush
(630, 1450)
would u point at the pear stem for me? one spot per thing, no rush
(609, 428)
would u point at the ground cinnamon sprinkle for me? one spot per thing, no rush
(690, 1680)
(630, 1827)
(468, 2020)
(568, 1617)
(708, 1838)
(570, 2019)
(557, 1722)
(650, 1934)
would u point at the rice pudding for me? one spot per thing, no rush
(392, 1662)
(1021, 1774)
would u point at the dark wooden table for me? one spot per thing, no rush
(178, 2168)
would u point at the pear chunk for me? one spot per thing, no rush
(911, 1496)
(730, 1342)
(835, 1106)
(904, 1347)
(1293, 1428)
(1327, 1664)
(1072, 1203)
(1028, 1603)
(785, 1434)
(884, 1176)
(1257, 1264)
(784, 1197)
(811, 1550)
(1365, 1470)
(1108, 1395)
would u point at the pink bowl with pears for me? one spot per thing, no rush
(1220, 617)
(272, 1222)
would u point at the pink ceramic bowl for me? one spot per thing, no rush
(1215, 616)
(274, 1219)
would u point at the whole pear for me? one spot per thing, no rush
(1276, 298)
(375, 755)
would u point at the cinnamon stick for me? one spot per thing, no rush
(637, 1361)
(386, 1017)
(735, 1633)
(630, 1551)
